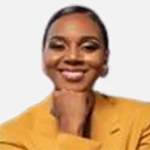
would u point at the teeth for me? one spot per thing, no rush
(76, 75)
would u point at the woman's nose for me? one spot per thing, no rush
(73, 57)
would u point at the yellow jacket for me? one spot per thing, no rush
(117, 124)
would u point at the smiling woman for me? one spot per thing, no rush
(74, 53)
(74, 116)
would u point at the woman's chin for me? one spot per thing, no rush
(76, 87)
(75, 84)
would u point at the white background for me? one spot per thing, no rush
(22, 23)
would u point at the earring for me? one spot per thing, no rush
(104, 70)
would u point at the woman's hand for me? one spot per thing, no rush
(72, 108)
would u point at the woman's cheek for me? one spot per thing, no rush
(94, 61)
(51, 59)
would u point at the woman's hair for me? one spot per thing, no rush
(78, 9)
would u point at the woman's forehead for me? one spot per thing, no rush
(74, 25)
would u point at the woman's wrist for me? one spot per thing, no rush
(70, 126)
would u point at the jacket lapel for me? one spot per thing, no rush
(106, 123)
(45, 127)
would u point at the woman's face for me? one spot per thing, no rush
(74, 53)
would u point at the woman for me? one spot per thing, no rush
(75, 55)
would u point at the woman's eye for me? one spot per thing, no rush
(56, 46)
(91, 47)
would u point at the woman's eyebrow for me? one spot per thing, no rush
(81, 40)
(58, 38)
(88, 38)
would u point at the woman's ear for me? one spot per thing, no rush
(44, 68)
(43, 64)
(106, 58)
(105, 68)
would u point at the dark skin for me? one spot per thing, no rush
(73, 58)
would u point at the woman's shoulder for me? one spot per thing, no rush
(130, 103)
(126, 110)
(26, 119)
(127, 105)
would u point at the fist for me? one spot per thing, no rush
(71, 109)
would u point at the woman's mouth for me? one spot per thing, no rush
(72, 75)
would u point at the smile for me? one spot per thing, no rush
(73, 75)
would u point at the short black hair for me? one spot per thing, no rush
(78, 9)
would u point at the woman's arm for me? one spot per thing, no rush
(71, 108)
(11, 146)
(67, 141)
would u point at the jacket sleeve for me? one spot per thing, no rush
(63, 142)
(73, 142)
(10, 146)
(9, 139)
(144, 140)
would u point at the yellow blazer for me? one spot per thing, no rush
(117, 124)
